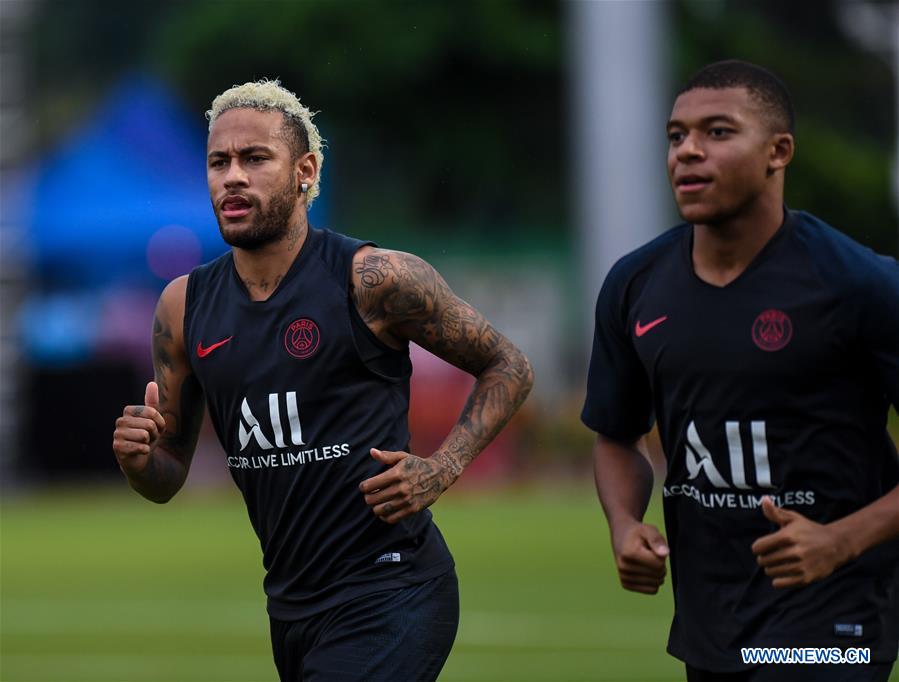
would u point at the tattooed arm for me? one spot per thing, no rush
(155, 442)
(402, 298)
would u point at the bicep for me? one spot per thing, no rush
(619, 398)
(455, 332)
(609, 449)
(604, 442)
(180, 395)
(406, 297)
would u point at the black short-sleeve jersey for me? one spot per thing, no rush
(777, 384)
(299, 390)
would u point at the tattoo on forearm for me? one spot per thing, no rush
(403, 293)
(452, 466)
(182, 418)
(182, 437)
(161, 472)
(163, 364)
(500, 390)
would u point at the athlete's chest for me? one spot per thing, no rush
(778, 327)
(300, 339)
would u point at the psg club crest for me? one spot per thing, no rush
(302, 338)
(772, 330)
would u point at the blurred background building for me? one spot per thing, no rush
(517, 145)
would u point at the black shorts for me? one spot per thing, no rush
(403, 634)
(876, 672)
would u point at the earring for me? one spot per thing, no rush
(304, 187)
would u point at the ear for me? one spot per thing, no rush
(781, 152)
(306, 167)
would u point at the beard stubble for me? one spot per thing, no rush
(269, 225)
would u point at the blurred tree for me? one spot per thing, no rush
(451, 116)
(439, 115)
(79, 49)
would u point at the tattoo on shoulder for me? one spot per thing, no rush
(396, 285)
(180, 396)
(373, 270)
(182, 428)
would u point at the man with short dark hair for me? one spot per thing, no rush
(765, 345)
(297, 340)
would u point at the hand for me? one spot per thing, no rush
(640, 553)
(137, 431)
(408, 486)
(801, 552)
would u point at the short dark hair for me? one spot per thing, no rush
(764, 86)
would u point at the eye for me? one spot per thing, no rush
(255, 158)
(720, 132)
(675, 136)
(216, 163)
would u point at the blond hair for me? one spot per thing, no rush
(270, 95)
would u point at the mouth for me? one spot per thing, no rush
(691, 183)
(235, 206)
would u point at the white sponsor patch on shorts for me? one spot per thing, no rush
(848, 629)
(389, 558)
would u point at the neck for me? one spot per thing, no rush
(261, 270)
(723, 250)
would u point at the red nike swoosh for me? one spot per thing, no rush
(640, 330)
(203, 352)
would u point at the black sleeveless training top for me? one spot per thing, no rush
(299, 390)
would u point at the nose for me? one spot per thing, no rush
(235, 177)
(689, 149)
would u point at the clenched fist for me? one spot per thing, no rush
(137, 431)
(801, 551)
(640, 553)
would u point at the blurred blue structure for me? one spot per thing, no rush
(118, 210)
(124, 199)
(135, 167)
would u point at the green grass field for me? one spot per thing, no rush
(98, 585)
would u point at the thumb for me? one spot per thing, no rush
(774, 513)
(151, 396)
(388, 457)
(655, 541)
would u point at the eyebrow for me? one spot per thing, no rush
(705, 121)
(252, 149)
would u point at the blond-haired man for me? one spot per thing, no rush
(298, 341)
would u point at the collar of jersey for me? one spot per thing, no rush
(790, 218)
